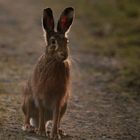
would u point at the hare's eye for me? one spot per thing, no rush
(52, 40)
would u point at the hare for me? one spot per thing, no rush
(46, 93)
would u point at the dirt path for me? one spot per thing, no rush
(94, 112)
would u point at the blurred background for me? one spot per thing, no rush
(105, 53)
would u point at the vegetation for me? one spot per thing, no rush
(111, 29)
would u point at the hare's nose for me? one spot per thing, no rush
(62, 54)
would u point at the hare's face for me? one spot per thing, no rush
(57, 47)
(57, 41)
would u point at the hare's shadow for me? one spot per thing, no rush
(33, 136)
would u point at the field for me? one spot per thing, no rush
(105, 51)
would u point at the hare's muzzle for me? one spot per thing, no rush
(62, 56)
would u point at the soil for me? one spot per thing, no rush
(94, 112)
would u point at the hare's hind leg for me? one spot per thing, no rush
(34, 122)
(26, 110)
(26, 119)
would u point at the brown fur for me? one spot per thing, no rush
(49, 86)
(47, 90)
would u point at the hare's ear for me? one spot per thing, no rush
(48, 20)
(65, 20)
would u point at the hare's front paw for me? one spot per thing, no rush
(62, 132)
(40, 132)
(28, 128)
(55, 136)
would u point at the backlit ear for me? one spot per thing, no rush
(48, 20)
(65, 20)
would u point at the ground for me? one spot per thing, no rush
(94, 113)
